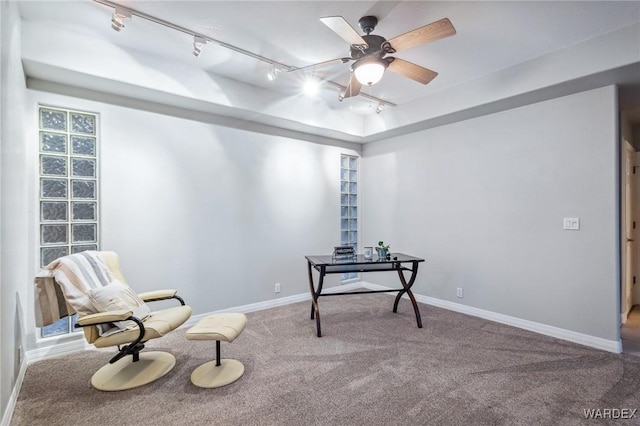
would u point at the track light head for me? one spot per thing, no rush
(273, 74)
(117, 20)
(198, 44)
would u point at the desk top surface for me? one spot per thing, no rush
(360, 260)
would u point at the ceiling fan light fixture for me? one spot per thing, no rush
(369, 70)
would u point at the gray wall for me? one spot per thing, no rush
(483, 201)
(14, 196)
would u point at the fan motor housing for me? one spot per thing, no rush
(375, 48)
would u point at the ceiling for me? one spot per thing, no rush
(491, 37)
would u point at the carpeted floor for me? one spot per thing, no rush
(371, 367)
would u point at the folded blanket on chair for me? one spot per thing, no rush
(62, 287)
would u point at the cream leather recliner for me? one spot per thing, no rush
(111, 314)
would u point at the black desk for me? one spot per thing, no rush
(328, 265)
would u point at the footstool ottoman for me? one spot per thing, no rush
(218, 327)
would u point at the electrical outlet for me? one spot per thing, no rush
(277, 287)
(571, 223)
(459, 292)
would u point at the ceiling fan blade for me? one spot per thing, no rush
(321, 65)
(352, 89)
(430, 32)
(338, 25)
(411, 70)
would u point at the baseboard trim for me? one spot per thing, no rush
(547, 330)
(57, 349)
(13, 399)
(252, 307)
(625, 315)
(273, 303)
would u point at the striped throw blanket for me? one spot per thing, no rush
(62, 286)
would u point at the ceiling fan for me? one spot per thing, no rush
(369, 52)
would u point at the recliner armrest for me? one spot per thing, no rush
(104, 317)
(150, 296)
(153, 296)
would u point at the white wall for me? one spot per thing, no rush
(218, 213)
(13, 204)
(483, 201)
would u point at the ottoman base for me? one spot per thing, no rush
(210, 375)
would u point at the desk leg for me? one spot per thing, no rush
(407, 289)
(315, 310)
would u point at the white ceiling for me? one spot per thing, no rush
(491, 37)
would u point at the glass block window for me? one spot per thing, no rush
(68, 189)
(349, 205)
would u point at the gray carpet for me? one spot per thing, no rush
(371, 367)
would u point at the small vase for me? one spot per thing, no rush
(382, 253)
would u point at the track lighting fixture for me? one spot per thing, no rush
(379, 108)
(117, 20)
(199, 40)
(273, 74)
(198, 44)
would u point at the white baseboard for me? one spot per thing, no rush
(273, 303)
(625, 315)
(252, 307)
(11, 405)
(547, 330)
(80, 344)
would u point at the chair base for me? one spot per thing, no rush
(208, 375)
(125, 374)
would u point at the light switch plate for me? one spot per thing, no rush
(571, 223)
